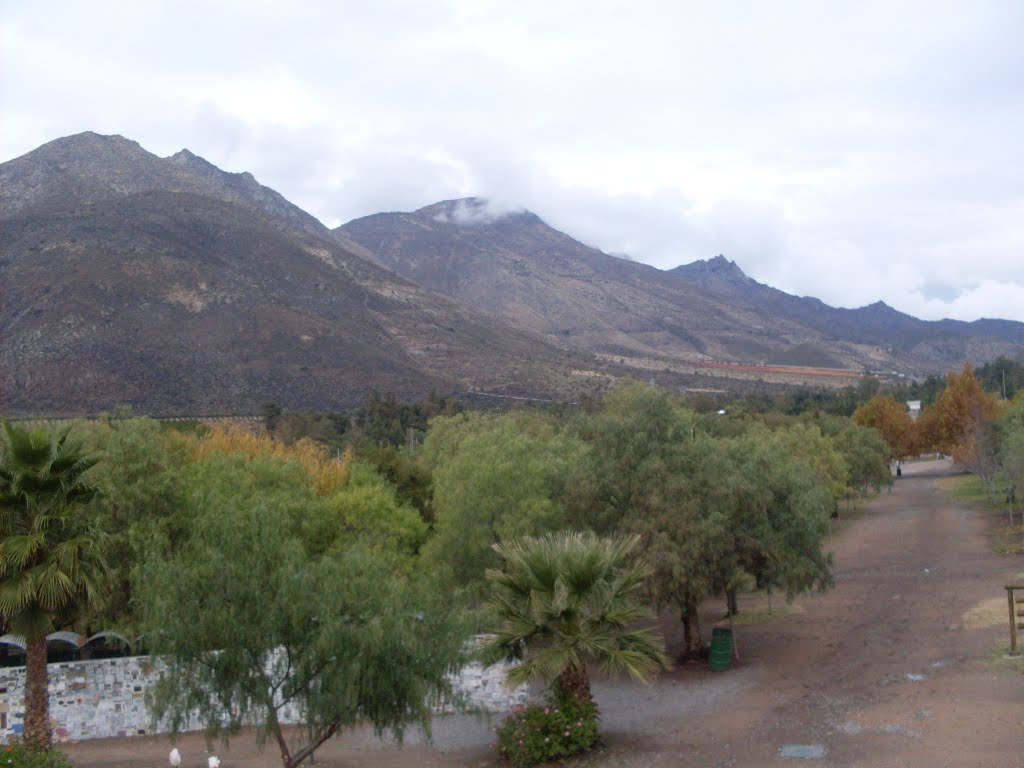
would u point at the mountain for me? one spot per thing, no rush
(172, 286)
(176, 287)
(535, 277)
(943, 343)
(520, 269)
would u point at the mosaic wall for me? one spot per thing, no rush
(107, 698)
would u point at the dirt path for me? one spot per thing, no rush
(878, 672)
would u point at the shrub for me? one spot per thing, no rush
(17, 755)
(562, 727)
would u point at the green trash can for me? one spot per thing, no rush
(721, 649)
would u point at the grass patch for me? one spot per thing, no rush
(759, 615)
(1008, 540)
(988, 613)
(999, 657)
(967, 488)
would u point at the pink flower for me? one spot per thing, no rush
(547, 711)
(566, 733)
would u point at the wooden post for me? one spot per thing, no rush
(1012, 603)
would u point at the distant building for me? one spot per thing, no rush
(914, 407)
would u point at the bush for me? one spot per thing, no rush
(562, 727)
(17, 755)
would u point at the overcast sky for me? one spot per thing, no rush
(850, 150)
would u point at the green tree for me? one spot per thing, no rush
(140, 491)
(410, 475)
(50, 559)
(566, 598)
(496, 478)
(1012, 455)
(866, 455)
(806, 443)
(686, 530)
(645, 458)
(1003, 376)
(368, 509)
(635, 440)
(743, 508)
(1010, 450)
(254, 627)
(781, 516)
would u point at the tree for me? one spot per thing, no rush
(270, 412)
(867, 456)
(960, 405)
(254, 627)
(50, 559)
(644, 464)
(413, 481)
(566, 598)
(1002, 376)
(783, 513)
(807, 444)
(1011, 449)
(141, 489)
(892, 421)
(684, 529)
(496, 478)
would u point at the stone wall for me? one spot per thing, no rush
(107, 698)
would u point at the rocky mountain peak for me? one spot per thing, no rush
(718, 271)
(89, 167)
(188, 159)
(90, 142)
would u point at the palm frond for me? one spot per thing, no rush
(567, 598)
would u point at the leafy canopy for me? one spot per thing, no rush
(255, 627)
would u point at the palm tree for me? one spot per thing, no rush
(567, 598)
(49, 559)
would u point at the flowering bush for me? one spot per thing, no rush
(562, 727)
(17, 755)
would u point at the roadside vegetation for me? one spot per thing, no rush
(336, 564)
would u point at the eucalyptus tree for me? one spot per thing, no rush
(50, 560)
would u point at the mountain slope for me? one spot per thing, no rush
(529, 274)
(946, 342)
(172, 286)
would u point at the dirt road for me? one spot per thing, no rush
(881, 671)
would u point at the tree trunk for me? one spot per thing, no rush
(692, 645)
(37, 696)
(317, 738)
(730, 602)
(573, 680)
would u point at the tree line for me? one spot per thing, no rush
(980, 429)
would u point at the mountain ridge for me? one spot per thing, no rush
(172, 286)
(176, 287)
(527, 273)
